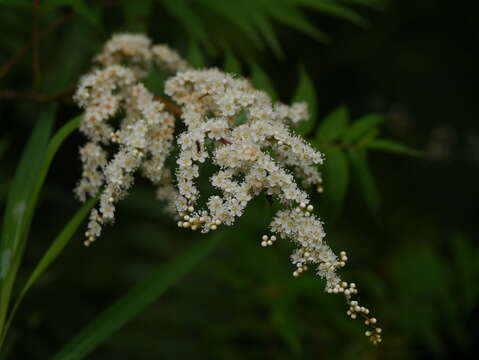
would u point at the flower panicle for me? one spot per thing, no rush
(130, 131)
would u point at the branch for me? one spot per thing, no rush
(34, 96)
(169, 105)
(6, 67)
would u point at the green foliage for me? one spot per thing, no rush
(194, 56)
(361, 127)
(80, 7)
(341, 140)
(392, 146)
(336, 180)
(423, 310)
(255, 20)
(305, 92)
(137, 13)
(366, 180)
(136, 300)
(49, 256)
(261, 80)
(333, 125)
(231, 63)
(21, 202)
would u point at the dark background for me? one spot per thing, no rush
(417, 265)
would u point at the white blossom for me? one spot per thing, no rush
(259, 155)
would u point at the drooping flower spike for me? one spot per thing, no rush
(260, 154)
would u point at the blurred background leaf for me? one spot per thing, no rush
(305, 92)
(333, 125)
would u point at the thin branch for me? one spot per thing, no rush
(169, 105)
(6, 67)
(34, 96)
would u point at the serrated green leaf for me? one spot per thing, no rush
(136, 300)
(335, 173)
(305, 92)
(232, 64)
(333, 125)
(22, 199)
(361, 126)
(392, 146)
(367, 184)
(262, 81)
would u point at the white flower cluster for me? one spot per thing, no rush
(114, 94)
(236, 127)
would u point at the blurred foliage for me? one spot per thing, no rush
(413, 252)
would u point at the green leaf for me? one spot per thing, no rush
(155, 81)
(26, 186)
(335, 9)
(392, 146)
(366, 181)
(195, 57)
(335, 172)
(232, 64)
(21, 202)
(235, 12)
(136, 300)
(74, 50)
(295, 19)
(50, 255)
(333, 125)
(137, 14)
(180, 10)
(305, 92)
(241, 119)
(285, 325)
(265, 27)
(465, 262)
(262, 81)
(361, 126)
(374, 4)
(79, 6)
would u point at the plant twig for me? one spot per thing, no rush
(34, 96)
(6, 67)
(169, 105)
